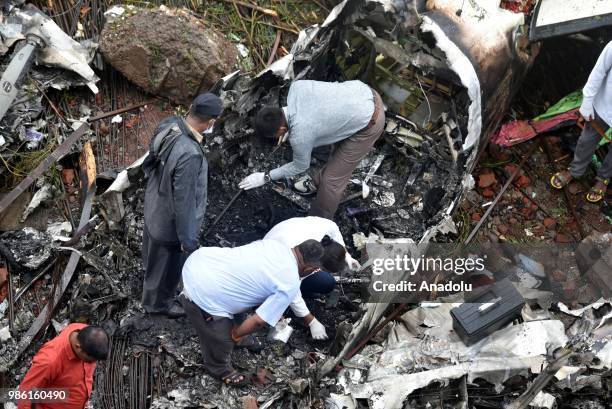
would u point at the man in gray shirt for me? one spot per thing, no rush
(348, 114)
(175, 201)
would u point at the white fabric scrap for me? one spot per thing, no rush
(543, 400)
(605, 355)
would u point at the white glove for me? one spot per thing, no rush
(254, 180)
(587, 112)
(317, 330)
(353, 264)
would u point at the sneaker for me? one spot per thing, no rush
(305, 186)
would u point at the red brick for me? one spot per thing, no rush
(476, 217)
(549, 222)
(488, 193)
(527, 213)
(510, 168)
(486, 179)
(522, 181)
(562, 238)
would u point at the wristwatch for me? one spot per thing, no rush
(267, 178)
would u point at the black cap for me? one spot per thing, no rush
(206, 106)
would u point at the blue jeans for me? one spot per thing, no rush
(317, 283)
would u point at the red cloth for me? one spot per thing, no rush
(520, 131)
(56, 366)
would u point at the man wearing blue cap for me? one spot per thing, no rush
(175, 201)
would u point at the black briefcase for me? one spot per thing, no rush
(489, 309)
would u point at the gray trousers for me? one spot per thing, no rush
(163, 264)
(215, 341)
(586, 147)
(332, 179)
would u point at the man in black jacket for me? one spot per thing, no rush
(175, 201)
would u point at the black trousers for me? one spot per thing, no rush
(163, 266)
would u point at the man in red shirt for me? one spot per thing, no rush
(66, 362)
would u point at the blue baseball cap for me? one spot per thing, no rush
(207, 105)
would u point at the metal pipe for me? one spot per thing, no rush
(225, 209)
(120, 111)
(10, 297)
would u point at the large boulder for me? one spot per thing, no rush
(166, 52)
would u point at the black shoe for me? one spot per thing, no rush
(175, 311)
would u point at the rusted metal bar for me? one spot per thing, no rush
(120, 111)
(225, 209)
(501, 193)
(10, 297)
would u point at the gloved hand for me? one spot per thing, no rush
(317, 330)
(353, 264)
(587, 111)
(252, 181)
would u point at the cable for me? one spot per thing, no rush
(426, 99)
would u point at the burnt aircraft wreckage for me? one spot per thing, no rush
(446, 70)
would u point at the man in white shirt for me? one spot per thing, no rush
(219, 283)
(596, 108)
(298, 229)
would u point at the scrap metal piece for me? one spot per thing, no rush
(541, 381)
(16, 70)
(553, 18)
(365, 189)
(60, 51)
